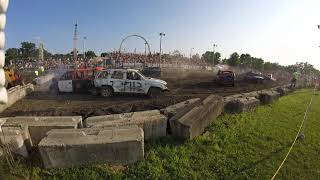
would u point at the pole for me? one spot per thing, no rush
(84, 48)
(145, 48)
(191, 53)
(160, 49)
(75, 39)
(214, 46)
(161, 34)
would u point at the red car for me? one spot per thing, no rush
(79, 80)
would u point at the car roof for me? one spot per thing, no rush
(108, 70)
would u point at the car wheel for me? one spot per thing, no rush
(106, 91)
(155, 92)
(94, 91)
(54, 89)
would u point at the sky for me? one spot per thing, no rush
(283, 31)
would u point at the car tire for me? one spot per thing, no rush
(94, 92)
(106, 91)
(155, 92)
(54, 89)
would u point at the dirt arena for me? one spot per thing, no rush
(183, 85)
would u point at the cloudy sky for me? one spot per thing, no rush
(283, 31)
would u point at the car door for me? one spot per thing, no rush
(65, 83)
(134, 83)
(101, 78)
(117, 81)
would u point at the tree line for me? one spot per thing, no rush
(29, 52)
(248, 61)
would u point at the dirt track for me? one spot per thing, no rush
(182, 86)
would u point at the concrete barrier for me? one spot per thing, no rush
(2, 121)
(241, 105)
(251, 94)
(153, 123)
(283, 91)
(35, 128)
(66, 148)
(268, 96)
(13, 139)
(231, 98)
(172, 110)
(194, 122)
(15, 94)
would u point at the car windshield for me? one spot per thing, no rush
(142, 76)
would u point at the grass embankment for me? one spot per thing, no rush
(244, 146)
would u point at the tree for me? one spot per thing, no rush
(217, 58)
(90, 54)
(13, 54)
(104, 54)
(196, 57)
(28, 50)
(233, 59)
(257, 63)
(208, 57)
(245, 60)
(224, 61)
(177, 54)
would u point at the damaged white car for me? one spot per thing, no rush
(129, 81)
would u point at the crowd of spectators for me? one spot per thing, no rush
(155, 59)
(131, 58)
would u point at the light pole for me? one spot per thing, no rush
(84, 47)
(214, 46)
(161, 35)
(145, 49)
(191, 53)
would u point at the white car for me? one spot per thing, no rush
(130, 81)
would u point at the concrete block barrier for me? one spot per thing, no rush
(13, 138)
(283, 91)
(153, 123)
(251, 94)
(35, 128)
(241, 105)
(172, 110)
(231, 98)
(66, 148)
(194, 122)
(2, 121)
(15, 94)
(268, 96)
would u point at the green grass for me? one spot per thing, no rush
(244, 146)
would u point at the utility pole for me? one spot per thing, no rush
(40, 44)
(214, 46)
(145, 48)
(84, 47)
(75, 40)
(191, 53)
(161, 35)
(41, 51)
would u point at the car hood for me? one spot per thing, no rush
(157, 81)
